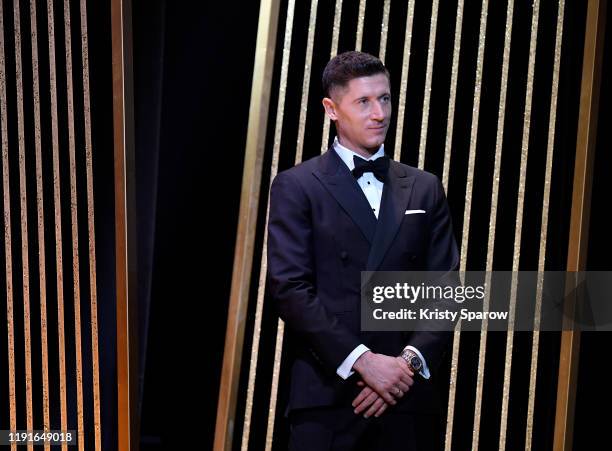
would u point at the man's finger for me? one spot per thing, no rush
(407, 381)
(367, 402)
(374, 407)
(361, 396)
(388, 397)
(382, 409)
(398, 392)
(403, 387)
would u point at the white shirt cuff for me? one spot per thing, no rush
(345, 370)
(425, 370)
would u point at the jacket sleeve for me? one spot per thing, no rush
(292, 278)
(442, 256)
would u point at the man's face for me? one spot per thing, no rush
(361, 111)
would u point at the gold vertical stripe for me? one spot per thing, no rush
(334, 51)
(428, 77)
(403, 83)
(468, 206)
(496, 176)
(58, 223)
(519, 220)
(452, 388)
(278, 351)
(243, 257)
(280, 113)
(499, 139)
(384, 31)
(312, 24)
(497, 165)
(544, 228)
(8, 257)
(23, 199)
(74, 227)
(41, 222)
(474, 134)
(360, 20)
(447, 154)
(450, 121)
(91, 231)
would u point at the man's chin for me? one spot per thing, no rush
(374, 145)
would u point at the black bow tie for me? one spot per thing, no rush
(378, 167)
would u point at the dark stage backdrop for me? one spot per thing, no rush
(193, 63)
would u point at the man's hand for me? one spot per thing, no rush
(370, 400)
(389, 377)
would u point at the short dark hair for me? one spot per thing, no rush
(348, 65)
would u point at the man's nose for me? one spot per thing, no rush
(377, 113)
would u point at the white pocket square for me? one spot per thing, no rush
(412, 212)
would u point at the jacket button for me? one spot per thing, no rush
(343, 255)
(413, 257)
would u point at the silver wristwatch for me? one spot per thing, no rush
(413, 360)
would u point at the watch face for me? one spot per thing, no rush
(415, 363)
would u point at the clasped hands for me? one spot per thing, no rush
(385, 379)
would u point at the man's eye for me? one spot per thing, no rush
(386, 99)
(363, 101)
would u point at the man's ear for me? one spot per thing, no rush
(330, 108)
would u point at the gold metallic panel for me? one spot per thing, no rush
(428, 76)
(74, 228)
(544, 227)
(249, 201)
(125, 225)
(404, 81)
(58, 221)
(467, 211)
(7, 236)
(91, 230)
(580, 215)
(41, 223)
(280, 113)
(23, 199)
(384, 30)
(334, 51)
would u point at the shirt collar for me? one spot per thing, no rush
(347, 154)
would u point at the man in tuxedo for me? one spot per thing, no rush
(349, 210)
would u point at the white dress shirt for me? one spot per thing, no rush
(372, 188)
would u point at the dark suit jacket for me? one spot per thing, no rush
(322, 234)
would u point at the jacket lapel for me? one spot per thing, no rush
(395, 197)
(338, 180)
